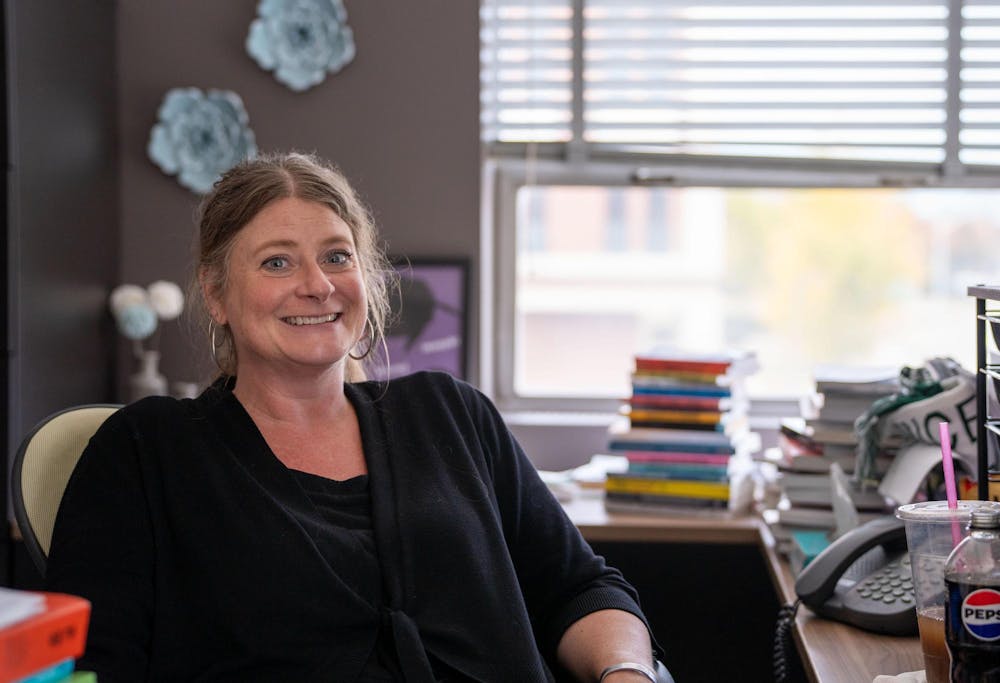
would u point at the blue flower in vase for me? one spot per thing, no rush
(301, 40)
(137, 321)
(200, 136)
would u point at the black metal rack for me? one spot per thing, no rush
(985, 423)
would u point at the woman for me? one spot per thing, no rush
(293, 524)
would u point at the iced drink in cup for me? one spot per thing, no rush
(932, 531)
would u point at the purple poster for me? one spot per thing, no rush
(428, 329)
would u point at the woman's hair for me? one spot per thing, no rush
(243, 192)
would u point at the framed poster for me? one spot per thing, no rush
(428, 329)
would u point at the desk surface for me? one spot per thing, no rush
(830, 651)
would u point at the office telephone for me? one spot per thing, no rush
(863, 578)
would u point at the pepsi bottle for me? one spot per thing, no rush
(972, 601)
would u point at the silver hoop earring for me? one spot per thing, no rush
(215, 346)
(371, 343)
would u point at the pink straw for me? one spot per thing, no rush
(948, 465)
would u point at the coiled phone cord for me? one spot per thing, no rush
(782, 640)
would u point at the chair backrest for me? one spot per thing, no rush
(42, 467)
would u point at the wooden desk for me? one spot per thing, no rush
(830, 651)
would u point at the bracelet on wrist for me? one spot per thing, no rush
(643, 669)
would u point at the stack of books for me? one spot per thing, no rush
(843, 394)
(806, 510)
(684, 432)
(41, 635)
(807, 452)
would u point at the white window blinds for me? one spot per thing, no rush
(873, 80)
(980, 83)
(527, 70)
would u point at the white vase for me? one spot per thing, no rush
(148, 381)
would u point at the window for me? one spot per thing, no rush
(815, 181)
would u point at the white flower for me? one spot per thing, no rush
(166, 298)
(301, 40)
(200, 136)
(123, 296)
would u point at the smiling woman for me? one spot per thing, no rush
(296, 523)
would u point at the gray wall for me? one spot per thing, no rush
(402, 121)
(62, 212)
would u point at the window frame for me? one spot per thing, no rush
(504, 177)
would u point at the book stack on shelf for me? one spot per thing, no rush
(684, 432)
(807, 531)
(807, 453)
(843, 394)
(41, 635)
(803, 473)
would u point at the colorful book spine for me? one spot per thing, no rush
(632, 483)
(652, 501)
(652, 435)
(676, 471)
(707, 367)
(658, 388)
(616, 445)
(689, 426)
(678, 403)
(679, 376)
(705, 417)
(661, 379)
(43, 640)
(57, 673)
(640, 456)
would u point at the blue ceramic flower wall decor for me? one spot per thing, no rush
(301, 40)
(199, 136)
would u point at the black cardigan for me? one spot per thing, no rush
(185, 532)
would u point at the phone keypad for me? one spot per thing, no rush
(891, 585)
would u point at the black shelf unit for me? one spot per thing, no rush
(987, 314)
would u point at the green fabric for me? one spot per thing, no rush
(916, 384)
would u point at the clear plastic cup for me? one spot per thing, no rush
(932, 531)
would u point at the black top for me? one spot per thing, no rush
(343, 530)
(204, 559)
(345, 526)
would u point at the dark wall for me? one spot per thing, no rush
(63, 204)
(401, 120)
(61, 236)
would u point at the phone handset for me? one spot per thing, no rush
(863, 578)
(818, 580)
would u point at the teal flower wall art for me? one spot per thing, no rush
(199, 136)
(301, 40)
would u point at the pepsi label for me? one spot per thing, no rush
(980, 614)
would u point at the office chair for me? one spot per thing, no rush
(662, 675)
(42, 467)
